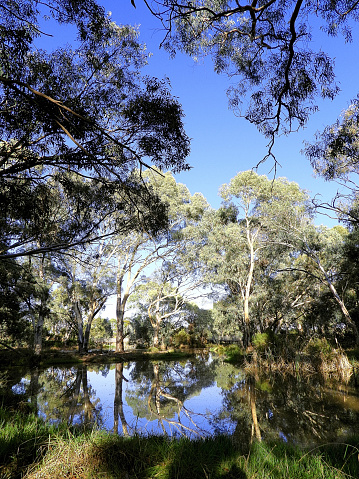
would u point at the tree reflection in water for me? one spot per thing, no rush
(118, 403)
(194, 398)
(65, 395)
(302, 412)
(159, 391)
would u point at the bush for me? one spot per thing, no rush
(234, 352)
(181, 338)
(261, 342)
(319, 348)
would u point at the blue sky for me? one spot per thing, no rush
(223, 144)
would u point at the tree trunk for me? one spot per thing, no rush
(120, 313)
(338, 299)
(247, 332)
(39, 321)
(86, 340)
(156, 335)
(80, 326)
(38, 329)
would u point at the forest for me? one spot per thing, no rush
(91, 209)
(92, 217)
(260, 257)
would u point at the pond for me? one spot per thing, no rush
(195, 397)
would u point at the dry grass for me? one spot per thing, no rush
(335, 366)
(66, 458)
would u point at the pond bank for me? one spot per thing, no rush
(31, 449)
(54, 356)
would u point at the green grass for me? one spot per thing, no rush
(31, 449)
(22, 440)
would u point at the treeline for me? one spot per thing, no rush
(83, 216)
(259, 258)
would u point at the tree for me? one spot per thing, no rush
(87, 281)
(268, 46)
(335, 157)
(325, 249)
(17, 284)
(247, 237)
(78, 113)
(140, 251)
(44, 277)
(160, 302)
(102, 329)
(200, 323)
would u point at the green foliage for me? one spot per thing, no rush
(101, 329)
(233, 353)
(319, 348)
(75, 112)
(181, 338)
(17, 285)
(262, 341)
(267, 48)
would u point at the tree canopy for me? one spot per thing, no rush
(75, 123)
(266, 49)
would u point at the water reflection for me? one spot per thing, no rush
(118, 403)
(193, 398)
(159, 393)
(65, 395)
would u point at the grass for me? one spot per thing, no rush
(22, 439)
(31, 449)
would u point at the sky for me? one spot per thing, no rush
(223, 144)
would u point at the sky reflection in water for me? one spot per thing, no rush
(195, 398)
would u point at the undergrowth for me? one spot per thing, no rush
(31, 449)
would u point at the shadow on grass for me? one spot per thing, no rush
(332, 461)
(110, 456)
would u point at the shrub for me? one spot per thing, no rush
(181, 338)
(262, 341)
(233, 352)
(319, 348)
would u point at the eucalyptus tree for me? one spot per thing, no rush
(245, 239)
(78, 112)
(335, 157)
(200, 323)
(324, 248)
(139, 252)
(87, 281)
(17, 285)
(160, 302)
(44, 273)
(164, 298)
(268, 46)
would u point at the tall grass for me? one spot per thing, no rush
(31, 449)
(23, 438)
(107, 456)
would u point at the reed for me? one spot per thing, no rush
(318, 357)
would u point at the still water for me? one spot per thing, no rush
(194, 397)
